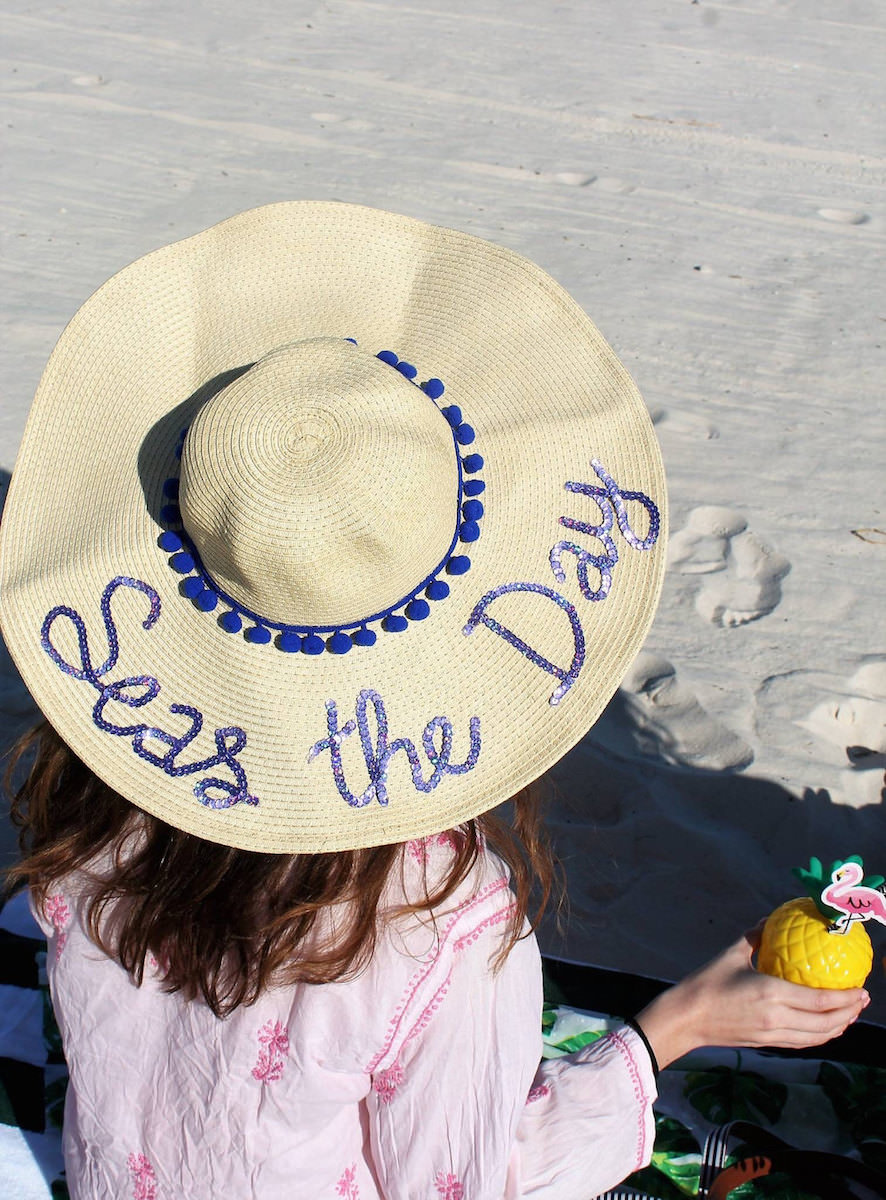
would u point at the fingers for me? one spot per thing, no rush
(824, 1000)
(753, 936)
(802, 1017)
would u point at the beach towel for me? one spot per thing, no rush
(713, 1104)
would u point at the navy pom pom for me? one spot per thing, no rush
(464, 435)
(388, 356)
(438, 590)
(290, 642)
(417, 610)
(472, 463)
(339, 643)
(313, 644)
(407, 369)
(206, 600)
(230, 622)
(179, 450)
(170, 489)
(192, 587)
(353, 341)
(169, 541)
(458, 564)
(473, 487)
(258, 634)
(452, 415)
(363, 637)
(434, 388)
(182, 562)
(472, 510)
(468, 531)
(394, 624)
(171, 514)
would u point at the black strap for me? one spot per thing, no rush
(633, 1023)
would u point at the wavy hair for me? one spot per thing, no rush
(226, 923)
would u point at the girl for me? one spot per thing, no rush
(330, 532)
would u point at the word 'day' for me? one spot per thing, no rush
(610, 499)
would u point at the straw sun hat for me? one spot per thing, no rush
(329, 528)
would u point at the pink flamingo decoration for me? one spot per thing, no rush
(854, 900)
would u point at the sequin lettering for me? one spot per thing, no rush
(378, 751)
(136, 691)
(567, 676)
(612, 503)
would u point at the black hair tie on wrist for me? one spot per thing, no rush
(633, 1024)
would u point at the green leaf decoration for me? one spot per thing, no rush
(672, 1137)
(683, 1170)
(815, 880)
(858, 1096)
(548, 1017)
(578, 1040)
(721, 1094)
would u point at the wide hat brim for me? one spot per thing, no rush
(546, 396)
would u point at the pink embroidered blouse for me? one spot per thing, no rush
(419, 1080)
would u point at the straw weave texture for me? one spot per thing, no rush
(297, 513)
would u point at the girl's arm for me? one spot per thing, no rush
(459, 1108)
(728, 1003)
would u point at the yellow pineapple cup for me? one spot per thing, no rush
(820, 939)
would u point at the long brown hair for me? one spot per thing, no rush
(225, 922)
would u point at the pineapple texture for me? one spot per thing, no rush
(797, 946)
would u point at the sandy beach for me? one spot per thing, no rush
(707, 180)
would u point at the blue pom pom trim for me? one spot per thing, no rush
(394, 623)
(201, 589)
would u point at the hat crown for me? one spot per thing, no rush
(320, 486)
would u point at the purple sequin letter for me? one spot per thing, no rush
(378, 751)
(567, 677)
(136, 691)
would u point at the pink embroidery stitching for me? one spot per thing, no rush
(448, 1186)
(639, 1094)
(419, 848)
(423, 973)
(347, 1185)
(274, 1041)
(144, 1181)
(497, 917)
(387, 1082)
(59, 915)
(538, 1093)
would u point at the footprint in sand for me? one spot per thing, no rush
(683, 424)
(655, 716)
(843, 216)
(843, 745)
(856, 721)
(745, 574)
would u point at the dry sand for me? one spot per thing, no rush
(707, 180)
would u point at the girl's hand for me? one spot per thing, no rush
(728, 1003)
